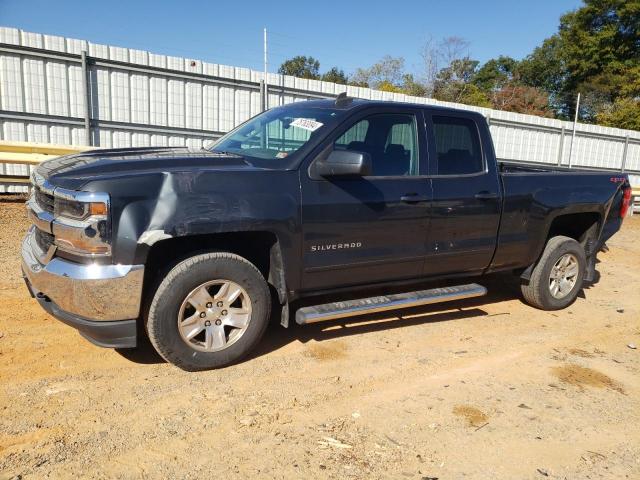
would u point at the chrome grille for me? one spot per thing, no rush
(43, 239)
(44, 200)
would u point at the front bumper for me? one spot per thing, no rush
(115, 334)
(101, 301)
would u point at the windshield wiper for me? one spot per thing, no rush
(225, 152)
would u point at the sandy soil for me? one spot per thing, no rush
(488, 388)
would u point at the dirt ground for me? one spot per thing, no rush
(488, 388)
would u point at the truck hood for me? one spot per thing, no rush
(73, 171)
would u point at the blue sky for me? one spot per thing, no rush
(347, 34)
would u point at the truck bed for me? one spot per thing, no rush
(537, 199)
(506, 166)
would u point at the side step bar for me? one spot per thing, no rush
(351, 308)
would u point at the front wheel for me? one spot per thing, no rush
(210, 311)
(557, 278)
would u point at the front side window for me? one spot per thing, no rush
(277, 133)
(357, 133)
(390, 139)
(457, 146)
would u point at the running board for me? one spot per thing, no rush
(351, 308)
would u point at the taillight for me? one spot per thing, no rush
(626, 202)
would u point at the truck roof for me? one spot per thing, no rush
(358, 103)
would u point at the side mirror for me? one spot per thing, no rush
(342, 163)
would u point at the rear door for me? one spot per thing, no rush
(369, 229)
(465, 210)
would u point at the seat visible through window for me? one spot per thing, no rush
(457, 146)
(390, 140)
(397, 161)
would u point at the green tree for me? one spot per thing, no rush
(335, 75)
(388, 75)
(500, 80)
(594, 51)
(602, 35)
(496, 73)
(469, 94)
(544, 68)
(623, 113)
(387, 86)
(411, 86)
(454, 84)
(302, 67)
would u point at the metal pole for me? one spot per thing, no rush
(624, 153)
(573, 135)
(262, 109)
(86, 91)
(266, 84)
(561, 146)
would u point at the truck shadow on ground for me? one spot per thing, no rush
(500, 287)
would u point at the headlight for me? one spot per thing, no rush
(63, 207)
(81, 222)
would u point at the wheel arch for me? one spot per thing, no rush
(581, 226)
(262, 248)
(584, 227)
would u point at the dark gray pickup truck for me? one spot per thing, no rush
(193, 247)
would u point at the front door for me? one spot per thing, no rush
(369, 229)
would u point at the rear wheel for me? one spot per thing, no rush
(210, 311)
(557, 278)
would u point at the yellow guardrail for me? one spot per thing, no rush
(29, 153)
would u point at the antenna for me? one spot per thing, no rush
(342, 100)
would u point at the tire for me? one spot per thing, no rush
(186, 286)
(538, 291)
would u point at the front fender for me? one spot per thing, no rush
(161, 205)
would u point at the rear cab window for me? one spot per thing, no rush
(457, 146)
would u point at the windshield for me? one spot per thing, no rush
(277, 133)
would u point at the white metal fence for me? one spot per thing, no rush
(69, 91)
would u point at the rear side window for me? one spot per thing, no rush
(457, 146)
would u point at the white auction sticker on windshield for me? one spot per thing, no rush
(307, 124)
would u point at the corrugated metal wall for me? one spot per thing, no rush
(137, 98)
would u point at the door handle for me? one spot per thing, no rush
(413, 198)
(485, 196)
